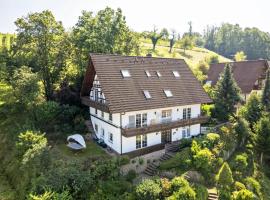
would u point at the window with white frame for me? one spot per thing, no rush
(147, 94)
(95, 111)
(147, 73)
(189, 113)
(188, 131)
(110, 117)
(176, 74)
(138, 120)
(184, 113)
(110, 137)
(168, 93)
(131, 121)
(138, 142)
(141, 141)
(125, 73)
(144, 119)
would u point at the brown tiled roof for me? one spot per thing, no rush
(245, 73)
(126, 94)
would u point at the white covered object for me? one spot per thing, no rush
(76, 141)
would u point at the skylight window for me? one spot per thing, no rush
(158, 74)
(176, 74)
(168, 93)
(147, 73)
(147, 94)
(125, 73)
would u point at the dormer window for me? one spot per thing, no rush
(147, 73)
(176, 74)
(147, 94)
(125, 73)
(168, 93)
(158, 74)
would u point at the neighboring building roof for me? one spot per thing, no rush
(245, 73)
(126, 94)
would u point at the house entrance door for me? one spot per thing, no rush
(166, 136)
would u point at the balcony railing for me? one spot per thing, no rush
(85, 100)
(161, 125)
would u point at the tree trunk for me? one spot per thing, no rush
(170, 49)
(154, 45)
(261, 158)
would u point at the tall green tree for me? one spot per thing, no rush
(41, 45)
(240, 56)
(226, 95)
(266, 92)
(242, 131)
(252, 111)
(224, 177)
(105, 32)
(155, 36)
(262, 137)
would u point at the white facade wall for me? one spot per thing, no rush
(153, 116)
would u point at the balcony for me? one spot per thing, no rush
(161, 125)
(85, 100)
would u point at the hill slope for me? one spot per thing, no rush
(192, 57)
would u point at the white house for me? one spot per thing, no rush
(138, 104)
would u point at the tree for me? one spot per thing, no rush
(42, 46)
(241, 130)
(25, 86)
(266, 92)
(177, 183)
(240, 56)
(252, 111)
(172, 40)
(190, 29)
(226, 95)
(186, 43)
(224, 177)
(148, 189)
(105, 32)
(262, 137)
(155, 36)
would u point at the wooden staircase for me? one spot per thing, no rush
(212, 196)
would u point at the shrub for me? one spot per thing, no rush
(239, 186)
(177, 183)
(184, 193)
(131, 175)
(185, 142)
(241, 162)
(224, 177)
(201, 192)
(148, 189)
(253, 186)
(141, 161)
(166, 187)
(203, 160)
(243, 194)
(212, 139)
(123, 160)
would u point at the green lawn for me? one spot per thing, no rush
(192, 57)
(61, 151)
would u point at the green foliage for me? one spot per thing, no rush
(252, 111)
(148, 189)
(228, 39)
(177, 183)
(181, 160)
(106, 32)
(240, 56)
(226, 95)
(243, 194)
(207, 109)
(253, 186)
(203, 161)
(266, 92)
(41, 46)
(224, 177)
(184, 193)
(25, 86)
(185, 142)
(239, 186)
(30, 145)
(213, 59)
(240, 163)
(241, 129)
(212, 139)
(186, 43)
(51, 196)
(262, 137)
(131, 175)
(201, 192)
(155, 36)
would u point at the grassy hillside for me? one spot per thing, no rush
(192, 57)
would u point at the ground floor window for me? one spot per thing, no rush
(102, 132)
(186, 132)
(96, 128)
(110, 137)
(141, 141)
